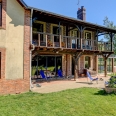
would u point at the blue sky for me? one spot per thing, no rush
(96, 10)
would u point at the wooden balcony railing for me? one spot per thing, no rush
(57, 41)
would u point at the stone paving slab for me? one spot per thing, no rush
(59, 85)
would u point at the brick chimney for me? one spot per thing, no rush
(81, 13)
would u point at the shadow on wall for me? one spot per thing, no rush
(16, 13)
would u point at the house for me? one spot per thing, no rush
(50, 40)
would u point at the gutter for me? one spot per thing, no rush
(31, 44)
(23, 3)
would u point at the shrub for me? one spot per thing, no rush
(112, 82)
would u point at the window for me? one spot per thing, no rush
(74, 33)
(56, 31)
(87, 62)
(39, 28)
(100, 64)
(0, 13)
(87, 35)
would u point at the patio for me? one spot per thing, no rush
(63, 84)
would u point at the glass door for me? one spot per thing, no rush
(87, 62)
(49, 64)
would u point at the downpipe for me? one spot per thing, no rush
(31, 49)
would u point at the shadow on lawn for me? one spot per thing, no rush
(101, 92)
(104, 93)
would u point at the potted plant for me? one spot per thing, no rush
(111, 85)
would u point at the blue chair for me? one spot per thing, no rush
(43, 75)
(60, 73)
(92, 79)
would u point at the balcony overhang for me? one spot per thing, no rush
(70, 20)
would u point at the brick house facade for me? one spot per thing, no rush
(11, 86)
(72, 41)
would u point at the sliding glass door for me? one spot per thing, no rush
(47, 63)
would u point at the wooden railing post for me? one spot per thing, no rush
(76, 43)
(60, 41)
(39, 39)
(66, 42)
(53, 39)
(81, 43)
(46, 41)
(71, 42)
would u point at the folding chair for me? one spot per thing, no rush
(43, 75)
(92, 79)
(60, 74)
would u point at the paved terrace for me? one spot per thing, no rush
(63, 84)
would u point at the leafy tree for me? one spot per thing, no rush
(110, 24)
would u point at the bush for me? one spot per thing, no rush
(112, 82)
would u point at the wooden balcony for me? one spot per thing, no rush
(67, 42)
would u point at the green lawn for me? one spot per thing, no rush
(76, 102)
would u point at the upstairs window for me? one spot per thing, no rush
(74, 33)
(56, 31)
(0, 13)
(87, 35)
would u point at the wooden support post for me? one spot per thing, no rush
(105, 67)
(105, 63)
(97, 64)
(111, 36)
(76, 71)
(112, 64)
(76, 58)
(37, 66)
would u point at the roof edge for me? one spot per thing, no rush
(71, 18)
(23, 3)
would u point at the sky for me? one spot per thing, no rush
(96, 10)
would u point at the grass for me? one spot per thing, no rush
(76, 102)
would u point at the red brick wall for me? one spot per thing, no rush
(19, 85)
(81, 64)
(94, 62)
(3, 54)
(27, 44)
(68, 66)
(64, 64)
(4, 3)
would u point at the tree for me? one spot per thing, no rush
(110, 24)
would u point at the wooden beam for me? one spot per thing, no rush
(75, 59)
(105, 57)
(112, 64)
(97, 64)
(105, 67)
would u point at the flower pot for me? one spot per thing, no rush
(109, 89)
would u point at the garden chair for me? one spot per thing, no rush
(43, 76)
(92, 79)
(60, 75)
